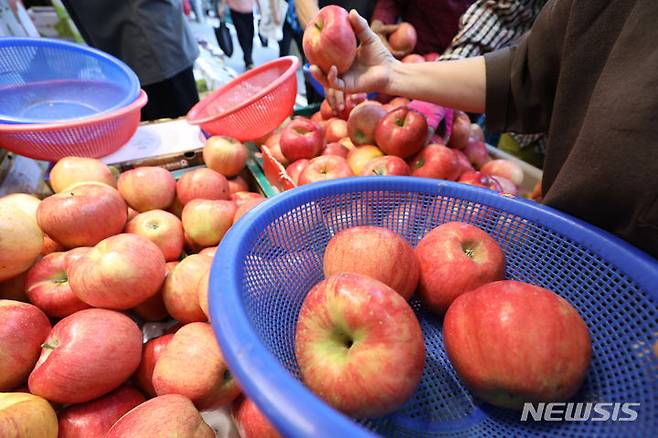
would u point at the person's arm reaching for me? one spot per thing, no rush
(306, 10)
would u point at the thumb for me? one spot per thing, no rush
(361, 28)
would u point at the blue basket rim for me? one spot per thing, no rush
(87, 50)
(285, 401)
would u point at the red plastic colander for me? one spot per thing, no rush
(95, 136)
(251, 105)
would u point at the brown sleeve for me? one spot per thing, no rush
(521, 81)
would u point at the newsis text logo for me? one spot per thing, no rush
(582, 411)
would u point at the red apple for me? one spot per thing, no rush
(432, 57)
(456, 258)
(436, 161)
(250, 421)
(119, 273)
(147, 188)
(84, 215)
(464, 164)
(86, 355)
(351, 102)
(24, 327)
(206, 222)
(295, 169)
(24, 415)
(132, 213)
(511, 342)
(360, 157)
(237, 184)
(202, 184)
(359, 345)
(153, 349)
(375, 252)
(325, 167)
(336, 129)
(505, 168)
(153, 308)
(244, 208)
(192, 365)
(162, 228)
(241, 198)
(166, 416)
(476, 133)
(47, 284)
(506, 186)
(95, 418)
(273, 143)
(337, 149)
(326, 111)
(225, 155)
(73, 170)
(414, 58)
(477, 153)
(388, 165)
(402, 132)
(21, 242)
(50, 246)
(363, 121)
(329, 40)
(301, 138)
(210, 252)
(478, 179)
(317, 116)
(460, 134)
(397, 102)
(180, 288)
(404, 38)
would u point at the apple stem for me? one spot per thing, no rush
(50, 346)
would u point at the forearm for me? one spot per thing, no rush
(455, 84)
(306, 10)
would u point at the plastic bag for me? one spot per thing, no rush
(223, 35)
(267, 27)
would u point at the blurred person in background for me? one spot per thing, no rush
(242, 16)
(307, 9)
(153, 38)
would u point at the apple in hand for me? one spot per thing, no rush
(147, 188)
(153, 349)
(363, 121)
(153, 308)
(375, 252)
(325, 167)
(201, 183)
(21, 242)
(296, 168)
(402, 132)
(456, 258)
(511, 342)
(162, 228)
(388, 165)
(83, 215)
(180, 288)
(23, 415)
(73, 170)
(192, 365)
(95, 418)
(336, 129)
(23, 328)
(436, 161)
(225, 155)
(359, 345)
(478, 179)
(504, 168)
(360, 157)
(301, 138)
(86, 355)
(250, 421)
(329, 40)
(205, 222)
(119, 273)
(404, 38)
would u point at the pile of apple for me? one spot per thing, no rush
(360, 347)
(79, 268)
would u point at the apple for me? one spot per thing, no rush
(210, 252)
(301, 138)
(536, 194)
(48, 288)
(436, 161)
(347, 143)
(504, 168)
(399, 101)
(14, 288)
(388, 165)
(351, 102)
(478, 179)
(162, 228)
(237, 184)
(24, 415)
(432, 57)
(153, 308)
(147, 188)
(460, 133)
(21, 242)
(360, 157)
(203, 289)
(329, 40)
(250, 421)
(153, 349)
(477, 154)
(506, 186)
(511, 342)
(476, 133)
(192, 365)
(359, 345)
(244, 208)
(273, 143)
(336, 129)
(50, 246)
(72, 170)
(95, 418)
(24, 327)
(375, 252)
(206, 222)
(363, 121)
(83, 215)
(404, 38)
(202, 183)
(325, 167)
(225, 155)
(86, 355)
(464, 164)
(317, 116)
(337, 149)
(413, 58)
(402, 132)
(296, 168)
(241, 198)
(455, 258)
(326, 111)
(180, 288)
(119, 273)
(23, 202)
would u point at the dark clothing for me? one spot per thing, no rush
(587, 73)
(289, 35)
(244, 27)
(363, 7)
(436, 22)
(172, 98)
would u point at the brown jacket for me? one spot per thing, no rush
(587, 73)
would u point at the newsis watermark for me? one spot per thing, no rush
(581, 411)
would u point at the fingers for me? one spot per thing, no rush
(388, 29)
(319, 76)
(336, 100)
(361, 28)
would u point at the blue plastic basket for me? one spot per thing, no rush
(267, 263)
(44, 80)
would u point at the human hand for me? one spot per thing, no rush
(383, 31)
